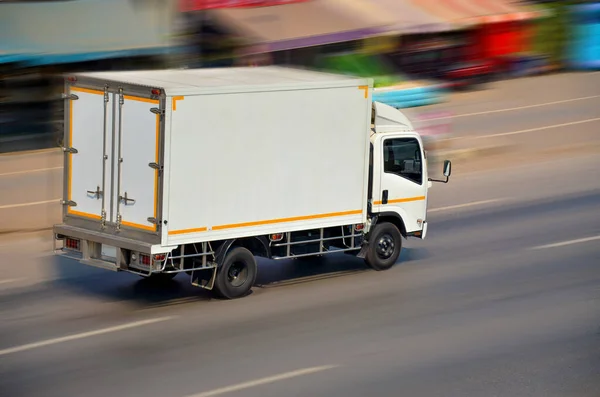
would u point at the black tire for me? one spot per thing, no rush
(385, 244)
(236, 275)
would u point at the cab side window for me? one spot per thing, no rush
(402, 157)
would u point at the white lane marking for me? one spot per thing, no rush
(82, 335)
(515, 108)
(9, 280)
(570, 242)
(472, 204)
(31, 171)
(547, 127)
(29, 204)
(263, 381)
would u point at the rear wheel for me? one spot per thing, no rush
(236, 276)
(385, 244)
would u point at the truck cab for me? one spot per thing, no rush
(398, 182)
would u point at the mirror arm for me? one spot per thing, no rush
(439, 180)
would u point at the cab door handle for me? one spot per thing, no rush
(384, 197)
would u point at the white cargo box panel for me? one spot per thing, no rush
(251, 151)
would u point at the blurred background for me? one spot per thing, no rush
(503, 296)
(418, 51)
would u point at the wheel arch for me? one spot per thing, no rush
(394, 219)
(257, 245)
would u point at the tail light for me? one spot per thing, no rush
(159, 257)
(73, 244)
(276, 237)
(360, 227)
(145, 259)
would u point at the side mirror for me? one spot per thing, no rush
(447, 172)
(447, 168)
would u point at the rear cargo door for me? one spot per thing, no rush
(138, 137)
(88, 153)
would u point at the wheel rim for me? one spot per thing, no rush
(385, 246)
(237, 274)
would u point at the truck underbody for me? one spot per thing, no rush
(202, 260)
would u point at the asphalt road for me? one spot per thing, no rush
(502, 299)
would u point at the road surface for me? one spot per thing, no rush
(502, 299)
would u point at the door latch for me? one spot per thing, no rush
(126, 200)
(96, 192)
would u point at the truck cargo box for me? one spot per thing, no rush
(170, 157)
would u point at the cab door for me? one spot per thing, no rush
(403, 180)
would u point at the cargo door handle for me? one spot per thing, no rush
(126, 200)
(96, 192)
(384, 197)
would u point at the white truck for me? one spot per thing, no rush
(200, 171)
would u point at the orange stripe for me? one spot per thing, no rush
(283, 220)
(175, 99)
(365, 88)
(138, 226)
(267, 222)
(156, 155)
(402, 200)
(139, 99)
(87, 90)
(184, 231)
(70, 158)
(83, 214)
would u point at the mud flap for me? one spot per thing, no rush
(204, 278)
(363, 250)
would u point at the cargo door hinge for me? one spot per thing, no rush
(70, 97)
(160, 112)
(121, 97)
(156, 166)
(105, 93)
(69, 203)
(154, 221)
(71, 150)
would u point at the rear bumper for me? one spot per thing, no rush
(103, 250)
(102, 238)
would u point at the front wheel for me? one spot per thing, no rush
(385, 244)
(236, 276)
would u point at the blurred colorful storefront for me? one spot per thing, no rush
(494, 31)
(279, 26)
(584, 46)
